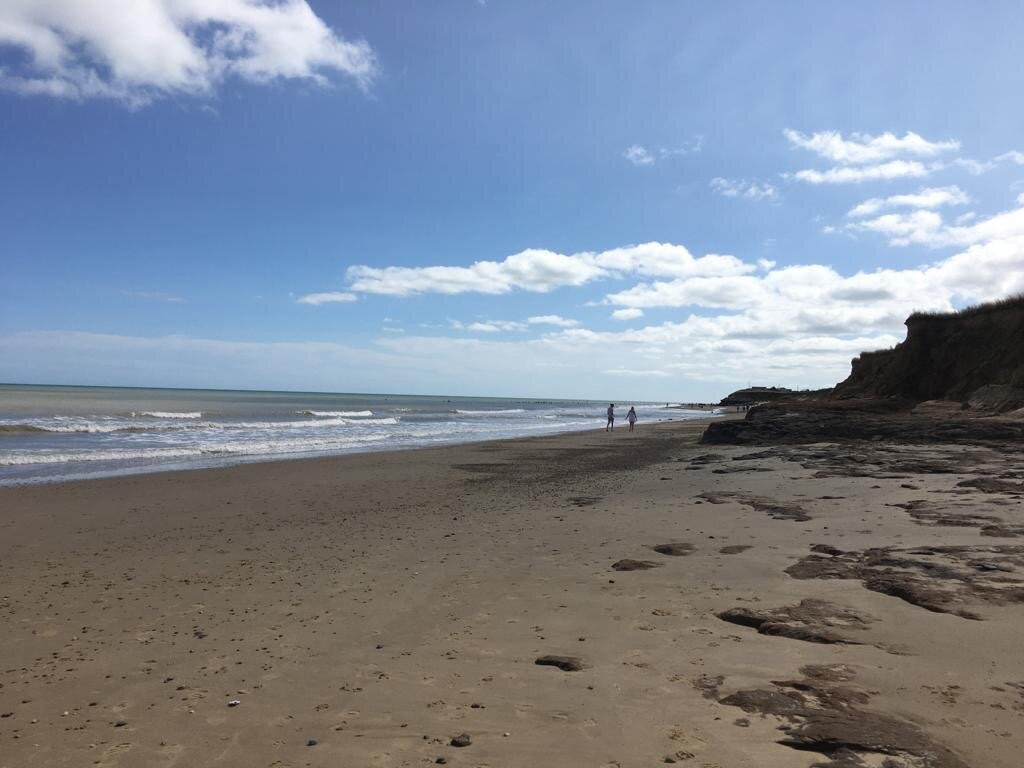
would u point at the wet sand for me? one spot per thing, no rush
(709, 606)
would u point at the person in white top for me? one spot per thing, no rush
(611, 418)
(631, 417)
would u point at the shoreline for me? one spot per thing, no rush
(381, 604)
(242, 460)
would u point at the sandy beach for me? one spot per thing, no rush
(368, 610)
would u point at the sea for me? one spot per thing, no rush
(57, 433)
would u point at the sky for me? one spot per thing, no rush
(634, 201)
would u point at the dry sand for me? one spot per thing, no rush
(380, 605)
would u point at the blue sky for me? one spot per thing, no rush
(177, 200)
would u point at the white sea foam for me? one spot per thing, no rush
(496, 412)
(335, 422)
(172, 414)
(194, 450)
(337, 414)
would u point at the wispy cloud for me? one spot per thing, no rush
(148, 49)
(978, 167)
(489, 326)
(629, 313)
(638, 154)
(330, 297)
(167, 298)
(930, 197)
(856, 174)
(744, 189)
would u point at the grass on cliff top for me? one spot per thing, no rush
(1015, 301)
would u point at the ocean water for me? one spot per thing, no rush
(51, 433)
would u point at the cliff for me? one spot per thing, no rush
(958, 377)
(975, 357)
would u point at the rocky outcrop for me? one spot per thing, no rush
(958, 377)
(974, 357)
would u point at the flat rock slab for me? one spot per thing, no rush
(677, 549)
(634, 565)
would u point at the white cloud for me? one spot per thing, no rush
(856, 174)
(978, 167)
(558, 320)
(863, 148)
(863, 157)
(638, 155)
(539, 270)
(742, 188)
(930, 197)
(796, 326)
(489, 326)
(816, 298)
(925, 227)
(330, 297)
(630, 313)
(138, 50)
(691, 147)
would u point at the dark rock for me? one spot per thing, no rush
(826, 549)
(564, 663)
(777, 510)
(634, 565)
(734, 549)
(676, 550)
(462, 740)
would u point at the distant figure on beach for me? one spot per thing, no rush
(631, 417)
(611, 418)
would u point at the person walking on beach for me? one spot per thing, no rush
(611, 418)
(631, 417)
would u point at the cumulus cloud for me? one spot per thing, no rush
(557, 320)
(742, 188)
(540, 271)
(863, 148)
(802, 298)
(136, 51)
(930, 197)
(925, 227)
(862, 157)
(330, 297)
(629, 313)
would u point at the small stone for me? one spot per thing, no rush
(120, 723)
(441, 760)
(312, 743)
(462, 740)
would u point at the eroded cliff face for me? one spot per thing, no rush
(975, 357)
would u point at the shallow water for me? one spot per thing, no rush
(50, 433)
